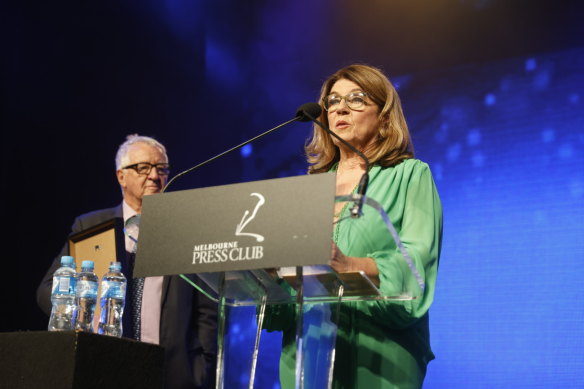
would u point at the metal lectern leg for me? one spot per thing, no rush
(219, 383)
(340, 291)
(299, 328)
(260, 321)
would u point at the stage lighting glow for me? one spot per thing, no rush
(246, 150)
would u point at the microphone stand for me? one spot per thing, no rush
(297, 118)
(357, 208)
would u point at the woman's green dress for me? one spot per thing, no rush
(382, 344)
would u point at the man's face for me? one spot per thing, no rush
(134, 185)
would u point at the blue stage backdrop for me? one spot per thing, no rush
(505, 142)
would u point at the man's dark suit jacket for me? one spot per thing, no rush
(188, 319)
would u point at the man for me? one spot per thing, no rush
(173, 313)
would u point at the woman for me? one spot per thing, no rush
(380, 344)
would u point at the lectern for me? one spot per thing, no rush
(229, 235)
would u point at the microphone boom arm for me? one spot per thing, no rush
(297, 118)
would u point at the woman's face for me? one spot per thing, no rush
(358, 126)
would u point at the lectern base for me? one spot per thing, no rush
(71, 360)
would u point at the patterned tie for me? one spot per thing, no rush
(137, 290)
(131, 230)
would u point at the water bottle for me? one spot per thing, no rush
(86, 297)
(113, 296)
(63, 296)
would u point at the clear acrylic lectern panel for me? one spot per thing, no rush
(312, 297)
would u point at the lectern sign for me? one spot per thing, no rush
(261, 224)
(232, 251)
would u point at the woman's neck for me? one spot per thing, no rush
(350, 163)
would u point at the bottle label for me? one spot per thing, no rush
(86, 288)
(113, 289)
(63, 285)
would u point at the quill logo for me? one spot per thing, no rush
(232, 251)
(245, 219)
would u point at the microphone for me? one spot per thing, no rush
(301, 116)
(310, 111)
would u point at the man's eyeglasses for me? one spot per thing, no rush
(355, 100)
(144, 168)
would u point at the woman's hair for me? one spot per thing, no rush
(393, 143)
(122, 154)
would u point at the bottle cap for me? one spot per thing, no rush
(87, 265)
(67, 260)
(117, 266)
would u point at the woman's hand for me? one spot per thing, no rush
(344, 264)
(339, 261)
